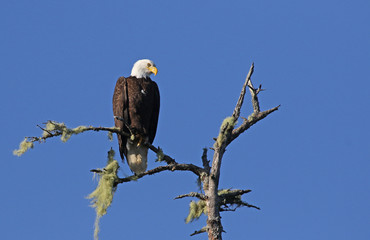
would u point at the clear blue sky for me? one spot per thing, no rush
(308, 164)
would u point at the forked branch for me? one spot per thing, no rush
(226, 136)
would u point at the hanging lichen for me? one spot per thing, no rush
(110, 136)
(23, 147)
(196, 210)
(160, 155)
(60, 128)
(53, 129)
(102, 197)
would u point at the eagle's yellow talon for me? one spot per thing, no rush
(140, 141)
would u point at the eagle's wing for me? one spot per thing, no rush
(155, 113)
(120, 110)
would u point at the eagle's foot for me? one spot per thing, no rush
(137, 138)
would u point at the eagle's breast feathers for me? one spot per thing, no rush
(136, 107)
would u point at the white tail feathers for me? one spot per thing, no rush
(137, 157)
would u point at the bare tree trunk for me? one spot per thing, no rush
(226, 136)
(214, 219)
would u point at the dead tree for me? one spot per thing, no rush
(212, 201)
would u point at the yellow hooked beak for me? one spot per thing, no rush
(153, 70)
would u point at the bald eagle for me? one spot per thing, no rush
(136, 111)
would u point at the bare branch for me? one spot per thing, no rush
(259, 89)
(227, 209)
(205, 160)
(254, 92)
(239, 104)
(249, 205)
(203, 230)
(231, 200)
(57, 133)
(193, 194)
(96, 170)
(170, 167)
(247, 123)
(166, 158)
(43, 129)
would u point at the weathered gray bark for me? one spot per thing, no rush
(211, 182)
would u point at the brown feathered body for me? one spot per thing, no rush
(136, 104)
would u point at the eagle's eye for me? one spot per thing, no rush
(148, 65)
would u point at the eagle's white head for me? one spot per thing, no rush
(144, 68)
